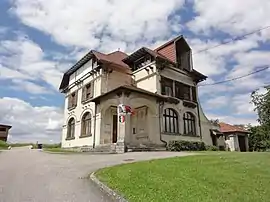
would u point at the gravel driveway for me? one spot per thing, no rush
(35, 176)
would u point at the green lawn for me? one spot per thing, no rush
(227, 176)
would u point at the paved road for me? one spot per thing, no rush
(35, 176)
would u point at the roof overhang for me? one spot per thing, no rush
(128, 89)
(5, 126)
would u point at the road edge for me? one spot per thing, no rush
(106, 189)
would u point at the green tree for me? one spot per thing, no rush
(259, 139)
(261, 102)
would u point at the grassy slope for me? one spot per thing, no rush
(223, 177)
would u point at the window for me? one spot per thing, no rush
(170, 121)
(86, 125)
(177, 89)
(87, 92)
(166, 87)
(189, 124)
(72, 100)
(71, 129)
(186, 92)
(143, 61)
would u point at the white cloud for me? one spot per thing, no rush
(83, 23)
(217, 102)
(28, 86)
(232, 17)
(233, 119)
(241, 104)
(24, 60)
(29, 123)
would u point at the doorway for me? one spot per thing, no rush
(114, 132)
(242, 143)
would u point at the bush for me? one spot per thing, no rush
(3, 145)
(183, 145)
(50, 146)
(211, 148)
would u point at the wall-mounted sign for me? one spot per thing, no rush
(121, 118)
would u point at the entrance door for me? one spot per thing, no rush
(114, 133)
(242, 143)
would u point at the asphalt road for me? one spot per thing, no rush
(35, 176)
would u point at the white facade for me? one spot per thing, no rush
(146, 127)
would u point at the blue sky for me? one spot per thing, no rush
(39, 40)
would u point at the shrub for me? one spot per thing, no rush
(211, 148)
(183, 145)
(3, 145)
(51, 146)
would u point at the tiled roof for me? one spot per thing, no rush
(226, 128)
(114, 57)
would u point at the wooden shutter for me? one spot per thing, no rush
(76, 98)
(194, 94)
(83, 93)
(92, 88)
(69, 101)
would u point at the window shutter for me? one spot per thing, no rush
(194, 95)
(69, 101)
(83, 93)
(92, 89)
(76, 98)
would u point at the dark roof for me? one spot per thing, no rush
(141, 52)
(114, 59)
(227, 128)
(137, 90)
(5, 126)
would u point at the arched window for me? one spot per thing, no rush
(86, 124)
(170, 121)
(71, 128)
(189, 124)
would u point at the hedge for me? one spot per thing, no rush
(3, 145)
(182, 145)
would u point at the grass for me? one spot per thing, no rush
(225, 176)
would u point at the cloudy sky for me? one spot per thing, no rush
(40, 39)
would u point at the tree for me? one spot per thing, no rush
(259, 139)
(261, 102)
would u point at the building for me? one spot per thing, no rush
(4, 129)
(159, 85)
(236, 137)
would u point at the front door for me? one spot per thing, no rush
(242, 143)
(114, 132)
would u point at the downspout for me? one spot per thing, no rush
(95, 121)
(160, 135)
(159, 109)
(199, 116)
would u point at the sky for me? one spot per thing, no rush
(41, 39)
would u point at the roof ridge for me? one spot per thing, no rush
(168, 42)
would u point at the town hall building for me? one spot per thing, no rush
(160, 86)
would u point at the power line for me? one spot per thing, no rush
(236, 78)
(232, 39)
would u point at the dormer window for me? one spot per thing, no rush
(143, 61)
